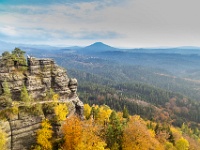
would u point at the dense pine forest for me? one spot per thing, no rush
(148, 101)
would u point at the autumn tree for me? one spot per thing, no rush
(103, 115)
(137, 136)
(55, 97)
(2, 140)
(169, 146)
(95, 112)
(44, 135)
(61, 111)
(193, 142)
(100, 114)
(91, 137)
(72, 130)
(87, 111)
(182, 144)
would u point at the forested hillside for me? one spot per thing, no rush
(107, 129)
(145, 100)
(163, 105)
(157, 84)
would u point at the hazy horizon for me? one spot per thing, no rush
(125, 24)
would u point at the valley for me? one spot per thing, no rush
(154, 76)
(161, 88)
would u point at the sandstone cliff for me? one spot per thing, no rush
(39, 76)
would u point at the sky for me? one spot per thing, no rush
(119, 23)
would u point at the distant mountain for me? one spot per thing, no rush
(97, 47)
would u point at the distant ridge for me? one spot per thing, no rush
(98, 47)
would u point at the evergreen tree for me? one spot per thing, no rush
(24, 95)
(114, 132)
(6, 89)
(125, 113)
(18, 56)
(49, 94)
(171, 138)
(6, 98)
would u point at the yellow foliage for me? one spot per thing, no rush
(61, 111)
(55, 97)
(97, 146)
(152, 133)
(169, 146)
(182, 144)
(104, 114)
(176, 133)
(87, 111)
(43, 136)
(101, 114)
(96, 106)
(2, 140)
(136, 117)
(90, 138)
(193, 142)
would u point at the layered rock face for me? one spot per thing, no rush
(39, 77)
(45, 74)
(21, 130)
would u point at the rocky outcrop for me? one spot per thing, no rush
(39, 76)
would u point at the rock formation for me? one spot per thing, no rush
(39, 76)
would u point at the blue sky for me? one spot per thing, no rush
(127, 23)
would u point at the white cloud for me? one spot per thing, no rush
(128, 23)
(8, 30)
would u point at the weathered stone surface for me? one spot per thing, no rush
(24, 132)
(41, 76)
(73, 83)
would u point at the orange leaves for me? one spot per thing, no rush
(91, 139)
(82, 135)
(136, 135)
(107, 129)
(72, 130)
